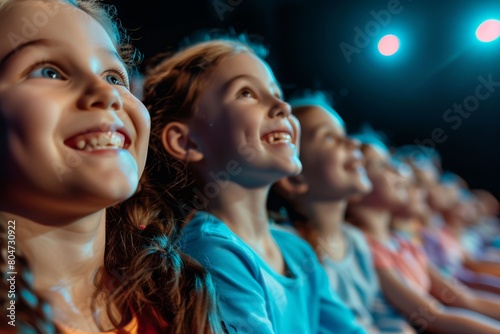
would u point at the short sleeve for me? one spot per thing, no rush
(335, 317)
(241, 299)
(381, 256)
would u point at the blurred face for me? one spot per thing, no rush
(465, 213)
(426, 174)
(333, 164)
(242, 120)
(443, 197)
(417, 195)
(389, 190)
(75, 137)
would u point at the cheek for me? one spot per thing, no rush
(381, 187)
(30, 121)
(315, 161)
(28, 112)
(142, 123)
(332, 166)
(240, 129)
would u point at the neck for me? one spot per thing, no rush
(373, 221)
(454, 225)
(326, 217)
(243, 210)
(63, 258)
(402, 224)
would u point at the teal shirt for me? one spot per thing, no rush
(252, 297)
(355, 280)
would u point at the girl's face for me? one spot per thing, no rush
(389, 190)
(417, 194)
(442, 197)
(333, 163)
(75, 137)
(242, 126)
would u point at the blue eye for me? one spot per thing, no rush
(114, 79)
(46, 72)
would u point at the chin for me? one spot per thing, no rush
(296, 167)
(111, 191)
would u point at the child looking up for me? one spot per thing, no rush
(223, 133)
(74, 143)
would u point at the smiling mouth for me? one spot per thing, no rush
(277, 137)
(95, 141)
(355, 166)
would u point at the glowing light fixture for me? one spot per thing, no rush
(488, 31)
(388, 45)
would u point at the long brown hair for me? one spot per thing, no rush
(144, 274)
(171, 91)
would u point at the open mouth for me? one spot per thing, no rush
(277, 137)
(355, 165)
(98, 140)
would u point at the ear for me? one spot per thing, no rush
(178, 143)
(293, 185)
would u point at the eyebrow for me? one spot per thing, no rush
(47, 42)
(247, 76)
(116, 56)
(24, 46)
(325, 127)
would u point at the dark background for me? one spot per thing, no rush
(405, 96)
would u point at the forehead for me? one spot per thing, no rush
(314, 118)
(373, 152)
(52, 20)
(243, 64)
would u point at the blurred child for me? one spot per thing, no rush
(431, 302)
(316, 201)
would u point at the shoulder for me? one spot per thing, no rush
(355, 237)
(297, 253)
(290, 242)
(203, 226)
(383, 257)
(207, 239)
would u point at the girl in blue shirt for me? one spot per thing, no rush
(221, 135)
(316, 201)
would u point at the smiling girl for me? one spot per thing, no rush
(222, 131)
(74, 142)
(316, 201)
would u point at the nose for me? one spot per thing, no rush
(280, 109)
(100, 95)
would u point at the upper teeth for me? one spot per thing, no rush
(281, 137)
(100, 141)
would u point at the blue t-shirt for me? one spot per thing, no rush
(252, 297)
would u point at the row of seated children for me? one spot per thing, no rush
(382, 275)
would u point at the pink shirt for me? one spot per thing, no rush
(404, 257)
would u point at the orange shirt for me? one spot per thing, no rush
(404, 257)
(131, 328)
